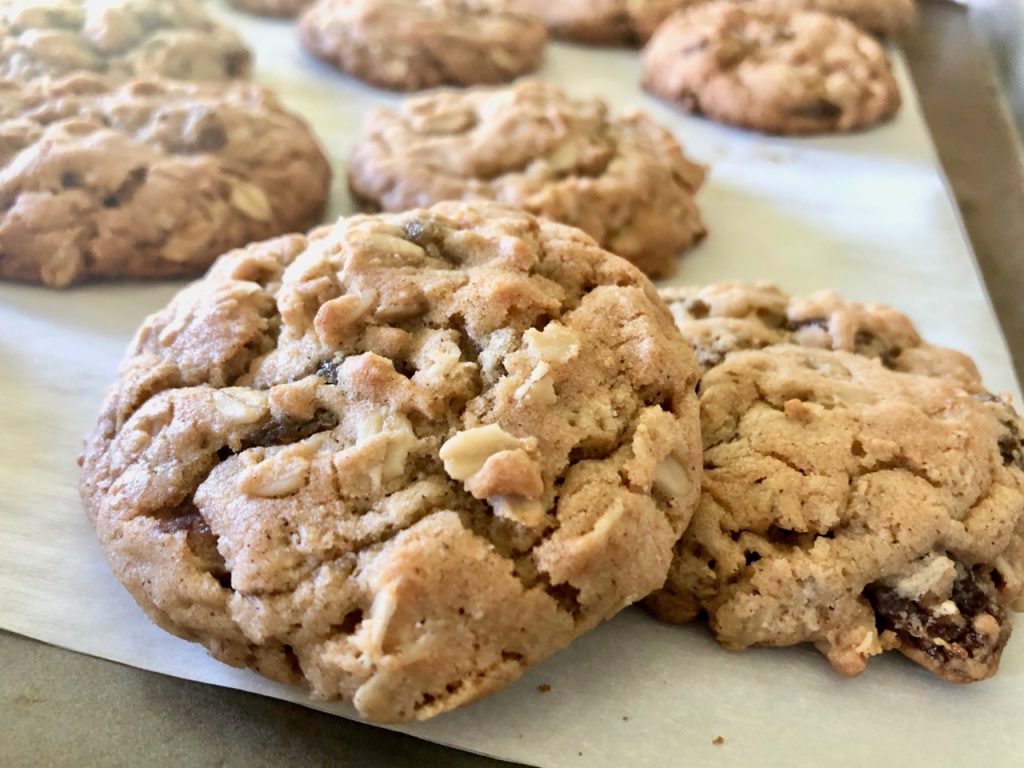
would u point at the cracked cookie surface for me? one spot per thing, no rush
(624, 180)
(861, 490)
(415, 44)
(118, 39)
(770, 69)
(401, 459)
(154, 178)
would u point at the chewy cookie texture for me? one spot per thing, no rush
(149, 179)
(401, 459)
(772, 70)
(118, 39)
(622, 179)
(862, 490)
(409, 45)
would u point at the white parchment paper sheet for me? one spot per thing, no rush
(868, 214)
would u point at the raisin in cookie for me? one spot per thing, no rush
(283, 8)
(603, 22)
(401, 459)
(770, 69)
(148, 179)
(119, 39)
(414, 44)
(624, 180)
(861, 490)
(731, 316)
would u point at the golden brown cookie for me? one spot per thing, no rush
(410, 45)
(118, 39)
(770, 69)
(154, 178)
(401, 459)
(622, 179)
(861, 490)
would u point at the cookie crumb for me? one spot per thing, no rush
(718, 741)
(797, 410)
(543, 687)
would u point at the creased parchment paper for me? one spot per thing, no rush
(869, 215)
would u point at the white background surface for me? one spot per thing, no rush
(868, 215)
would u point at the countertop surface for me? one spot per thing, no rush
(62, 708)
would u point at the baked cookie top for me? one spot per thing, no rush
(283, 8)
(401, 459)
(622, 179)
(154, 178)
(603, 22)
(771, 69)
(852, 497)
(409, 45)
(119, 39)
(732, 316)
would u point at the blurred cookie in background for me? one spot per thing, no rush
(771, 70)
(280, 8)
(117, 39)
(154, 178)
(603, 22)
(410, 45)
(622, 179)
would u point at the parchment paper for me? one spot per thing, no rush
(868, 214)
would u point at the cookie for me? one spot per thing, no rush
(603, 22)
(861, 490)
(283, 8)
(119, 39)
(409, 45)
(731, 316)
(880, 17)
(148, 179)
(770, 69)
(624, 180)
(401, 459)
